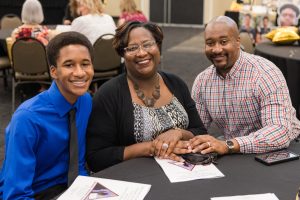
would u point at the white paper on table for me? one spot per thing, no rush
(176, 173)
(267, 196)
(82, 187)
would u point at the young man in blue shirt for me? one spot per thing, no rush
(37, 138)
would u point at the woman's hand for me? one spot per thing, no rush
(182, 147)
(165, 143)
(143, 149)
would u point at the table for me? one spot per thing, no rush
(287, 59)
(243, 175)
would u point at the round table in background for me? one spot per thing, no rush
(287, 59)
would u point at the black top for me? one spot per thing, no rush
(110, 127)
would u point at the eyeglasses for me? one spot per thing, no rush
(135, 48)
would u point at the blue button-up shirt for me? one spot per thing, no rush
(37, 144)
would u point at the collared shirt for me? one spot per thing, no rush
(251, 104)
(37, 144)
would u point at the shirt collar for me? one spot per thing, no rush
(61, 105)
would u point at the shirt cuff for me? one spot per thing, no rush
(246, 144)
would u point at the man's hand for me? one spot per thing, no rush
(207, 144)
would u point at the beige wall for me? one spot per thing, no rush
(112, 7)
(213, 8)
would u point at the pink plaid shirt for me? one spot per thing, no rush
(252, 104)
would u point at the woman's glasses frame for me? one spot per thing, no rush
(135, 48)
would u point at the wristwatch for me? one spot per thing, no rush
(230, 146)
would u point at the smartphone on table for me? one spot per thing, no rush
(276, 157)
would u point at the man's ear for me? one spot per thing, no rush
(238, 41)
(53, 71)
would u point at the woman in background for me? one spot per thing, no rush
(93, 22)
(129, 12)
(32, 16)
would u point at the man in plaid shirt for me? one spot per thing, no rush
(245, 95)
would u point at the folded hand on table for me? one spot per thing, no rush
(206, 144)
(165, 143)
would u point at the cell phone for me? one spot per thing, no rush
(276, 157)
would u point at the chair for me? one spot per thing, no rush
(9, 43)
(10, 21)
(4, 67)
(5, 62)
(107, 63)
(29, 64)
(246, 42)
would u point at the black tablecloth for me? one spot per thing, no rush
(287, 59)
(243, 175)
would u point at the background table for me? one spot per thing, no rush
(287, 59)
(243, 175)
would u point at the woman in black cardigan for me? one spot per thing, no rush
(142, 112)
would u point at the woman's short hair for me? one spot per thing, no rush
(65, 39)
(95, 6)
(121, 38)
(32, 12)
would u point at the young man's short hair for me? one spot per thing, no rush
(65, 39)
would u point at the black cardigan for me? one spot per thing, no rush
(110, 126)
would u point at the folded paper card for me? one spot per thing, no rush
(86, 188)
(183, 171)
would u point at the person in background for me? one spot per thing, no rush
(129, 12)
(288, 15)
(93, 22)
(245, 95)
(263, 29)
(246, 27)
(71, 12)
(143, 112)
(32, 16)
(37, 157)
